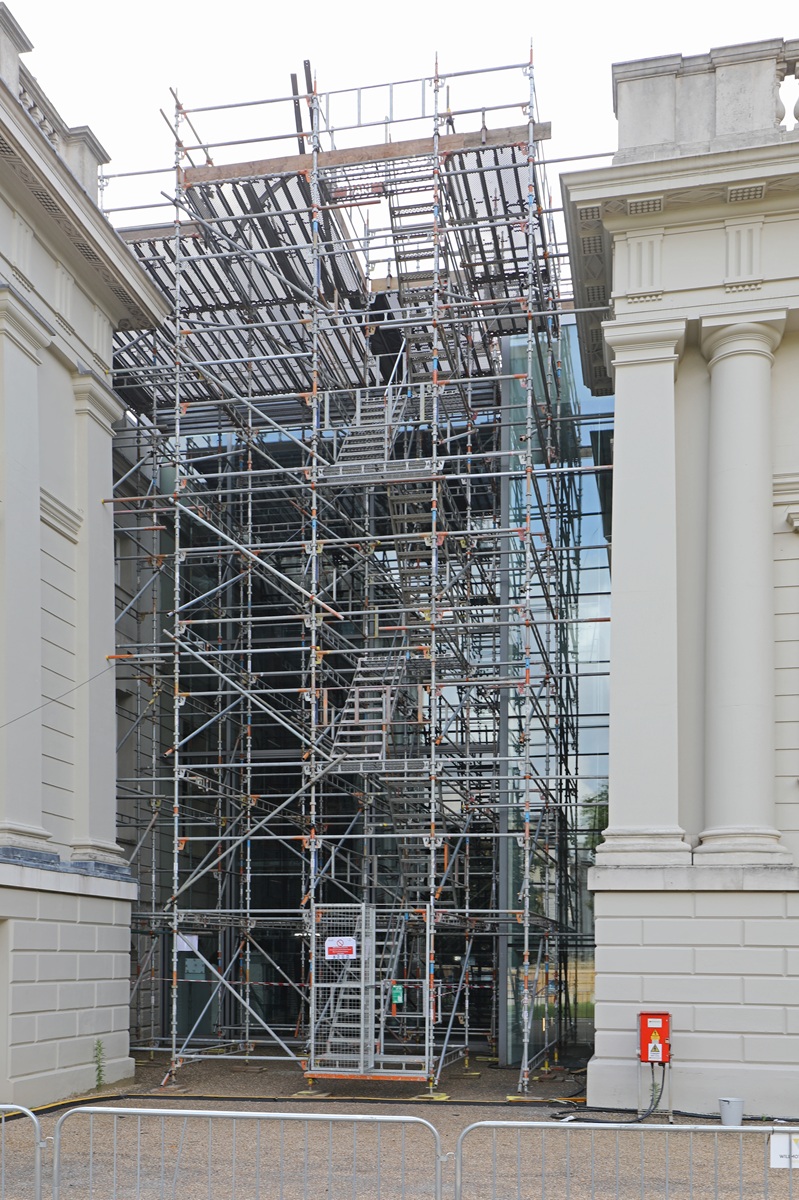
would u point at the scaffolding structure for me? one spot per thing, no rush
(348, 506)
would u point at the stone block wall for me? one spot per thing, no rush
(724, 962)
(64, 982)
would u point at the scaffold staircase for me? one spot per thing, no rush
(366, 442)
(413, 233)
(367, 451)
(409, 806)
(363, 728)
(410, 507)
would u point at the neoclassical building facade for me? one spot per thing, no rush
(67, 282)
(691, 237)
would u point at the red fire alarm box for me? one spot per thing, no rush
(655, 1037)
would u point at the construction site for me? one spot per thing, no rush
(361, 505)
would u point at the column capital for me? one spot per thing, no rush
(22, 324)
(742, 333)
(636, 343)
(94, 398)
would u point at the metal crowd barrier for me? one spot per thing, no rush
(521, 1160)
(105, 1153)
(190, 1154)
(21, 1149)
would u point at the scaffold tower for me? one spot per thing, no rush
(348, 509)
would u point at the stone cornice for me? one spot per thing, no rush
(59, 516)
(720, 169)
(20, 322)
(66, 882)
(636, 343)
(617, 200)
(679, 64)
(786, 489)
(95, 398)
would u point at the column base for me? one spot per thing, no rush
(34, 838)
(742, 844)
(100, 852)
(644, 845)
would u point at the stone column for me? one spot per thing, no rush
(22, 338)
(739, 639)
(94, 814)
(644, 826)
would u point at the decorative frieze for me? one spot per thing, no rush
(744, 272)
(644, 257)
(64, 292)
(21, 251)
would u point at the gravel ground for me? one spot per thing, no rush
(484, 1083)
(371, 1142)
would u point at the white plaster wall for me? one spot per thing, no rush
(59, 677)
(695, 262)
(785, 382)
(692, 422)
(786, 589)
(781, 247)
(64, 936)
(57, 420)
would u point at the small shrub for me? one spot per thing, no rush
(99, 1063)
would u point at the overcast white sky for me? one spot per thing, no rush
(110, 65)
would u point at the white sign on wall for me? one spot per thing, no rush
(341, 948)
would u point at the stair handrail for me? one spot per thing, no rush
(389, 416)
(396, 930)
(393, 670)
(389, 422)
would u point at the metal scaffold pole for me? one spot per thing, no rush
(177, 695)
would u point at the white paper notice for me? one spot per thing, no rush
(785, 1150)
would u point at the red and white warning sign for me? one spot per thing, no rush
(341, 947)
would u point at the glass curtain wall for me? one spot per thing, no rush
(555, 739)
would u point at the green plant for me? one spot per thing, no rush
(99, 1063)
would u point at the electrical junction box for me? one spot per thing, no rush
(654, 1043)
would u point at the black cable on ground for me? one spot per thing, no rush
(638, 1118)
(168, 1100)
(76, 1102)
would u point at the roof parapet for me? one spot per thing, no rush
(78, 146)
(729, 98)
(13, 42)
